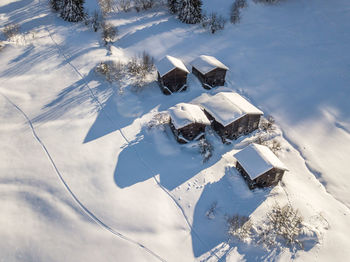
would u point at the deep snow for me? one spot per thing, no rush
(91, 181)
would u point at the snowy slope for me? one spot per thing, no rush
(85, 179)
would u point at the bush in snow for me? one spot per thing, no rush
(267, 1)
(241, 3)
(235, 13)
(159, 120)
(56, 5)
(213, 22)
(284, 225)
(212, 210)
(239, 227)
(10, 30)
(124, 5)
(106, 6)
(143, 4)
(73, 10)
(109, 33)
(173, 6)
(205, 149)
(95, 21)
(190, 11)
(139, 68)
(111, 70)
(267, 124)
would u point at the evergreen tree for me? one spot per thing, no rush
(173, 6)
(73, 10)
(190, 11)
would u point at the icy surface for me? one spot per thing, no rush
(169, 63)
(184, 114)
(258, 159)
(227, 107)
(205, 64)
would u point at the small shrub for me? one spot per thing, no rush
(109, 33)
(56, 5)
(106, 6)
(269, 2)
(124, 5)
(267, 124)
(214, 22)
(95, 21)
(159, 120)
(110, 70)
(141, 66)
(73, 10)
(143, 4)
(10, 31)
(241, 3)
(235, 14)
(284, 223)
(239, 226)
(205, 149)
(212, 210)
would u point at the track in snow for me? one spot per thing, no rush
(80, 204)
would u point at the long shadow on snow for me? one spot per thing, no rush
(174, 163)
(233, 197)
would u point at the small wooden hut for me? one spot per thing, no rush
(210, 71)
(187, 122)
(259, 166)
(231, 114)
(172, 75)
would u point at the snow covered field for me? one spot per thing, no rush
(82, 177)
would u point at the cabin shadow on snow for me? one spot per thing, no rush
(232, 196)
(175, 164)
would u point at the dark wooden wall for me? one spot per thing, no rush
(189, 132)
(270, 178)
(213, 78)
(241, 126)
(173, 80)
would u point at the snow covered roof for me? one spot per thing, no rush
(168, 63)
(205, 64)
(184, 114)
(257, 160)
(226, 107)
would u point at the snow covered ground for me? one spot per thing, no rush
(82, 177)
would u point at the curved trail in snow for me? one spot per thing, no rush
(80, 204)
(128, 141)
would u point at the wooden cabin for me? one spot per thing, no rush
(231, 115)
(172, 75)
(210, 71)
(259, 166)
(187, 122)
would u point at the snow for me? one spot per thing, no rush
(227, 107)
(257, 160)
(149, 193)
(169, 63)
(205, 64)
(184, 114)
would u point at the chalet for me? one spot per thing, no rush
(259, 166)
(210, 71)
(231, 115)
(187, 122)
(172, 75)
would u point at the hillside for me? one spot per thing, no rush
(84, 177)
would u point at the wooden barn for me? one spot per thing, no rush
(231, 115)
(172, 75)
(259, 166)
(187, 122)
(210, 71)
